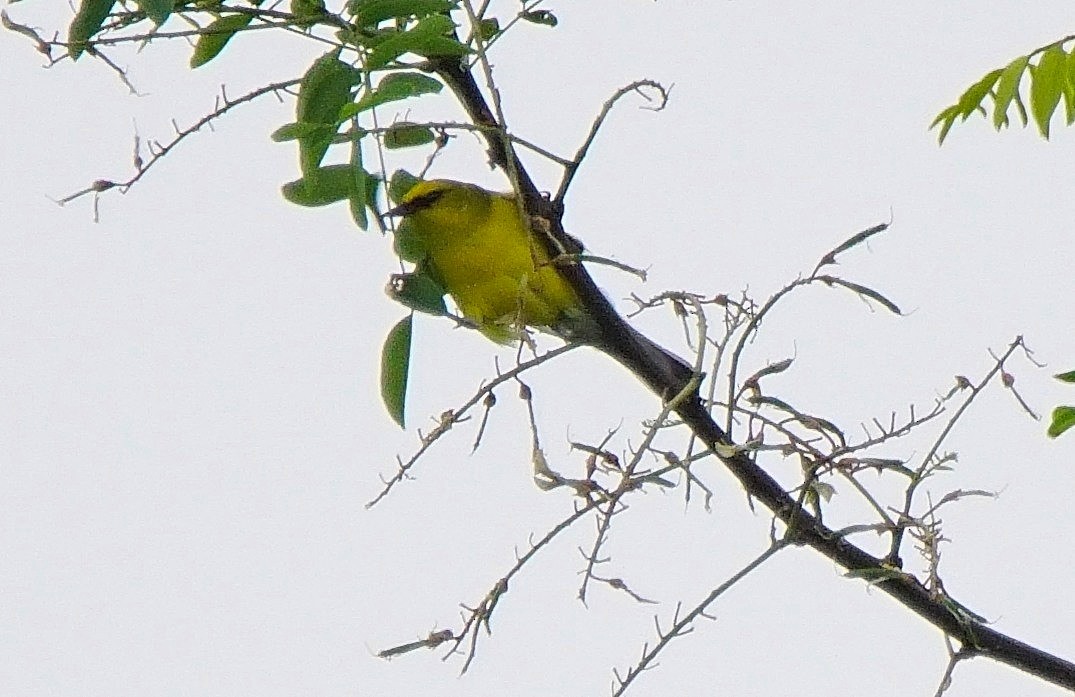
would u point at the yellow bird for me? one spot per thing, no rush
(477, 244)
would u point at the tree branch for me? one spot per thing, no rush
(805, 528)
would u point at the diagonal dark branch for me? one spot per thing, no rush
(804, 528)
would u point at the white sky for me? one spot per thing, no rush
(190, 423)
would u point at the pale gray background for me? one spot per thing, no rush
(189, 422)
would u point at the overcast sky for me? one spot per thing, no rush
(190, 423)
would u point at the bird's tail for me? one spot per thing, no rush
(665, 373)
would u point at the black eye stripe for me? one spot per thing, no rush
(425, 200)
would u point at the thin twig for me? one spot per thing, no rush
(454, 416)
(476, 619)
(571, 168)
(158, 151)
(682, 625)
(928, 459)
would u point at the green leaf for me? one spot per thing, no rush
(430, 37)
(1047, 81)
(540, 17)
(370, 13)
(972, 99)
(1007, 90)
(327, 185)
(408, 243)
(314, 145)
(1020, 109)
(1063, 419)
(946, 118)
(424, 45)
(296, 130)
(359, 195)
(488, 28)
(215, 37)
(357, 206)
(1069, 89)
(395, 367)
(407, 135)
(401, 182)
(307, 12)
(1066, 377)
(322, 186)
(368, 186)
(87, 22)
(393, 88)
(419, 291)
(324, 89)
(156, 10)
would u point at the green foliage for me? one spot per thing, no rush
(395, 369)
(324, 90)
(377, 41)
(1051, 79)
(88, 20)
(401, 182)
(370, 13)
(1008, 91)
(322, 186)
(325, 103)
(376, 47)
(488, 28)
(216, 36)
(430, 37)
(326, 185)
(157, 10)
(408, 244)
(295, 131)
(364, 186)
(377, 35)
(1048, 81)
(1063, 417)
(419, 291)
(393, 87)
(407, 135)
(307, 12)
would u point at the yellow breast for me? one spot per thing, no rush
(489, 261)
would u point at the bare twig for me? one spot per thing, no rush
(930, 461)
(954, 657)
(681, 626)
(571, 168)
(455, 416)
(158, 151)
(479, 616)
(757, 317)
(43, 47)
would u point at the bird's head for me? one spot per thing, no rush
(443, 203)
